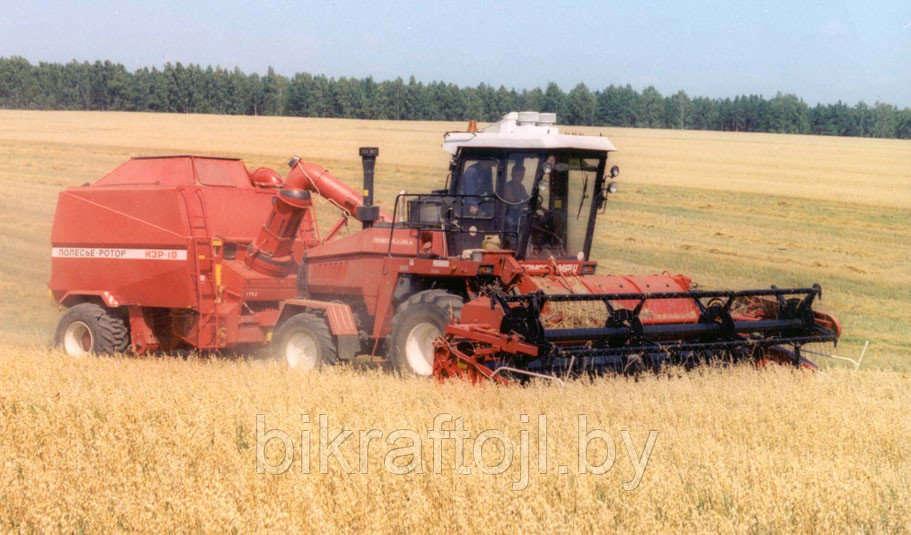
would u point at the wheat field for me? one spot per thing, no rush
(170, 444)
(166, 445)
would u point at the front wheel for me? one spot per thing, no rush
(91, 328)
(304, 342)
(420, 320)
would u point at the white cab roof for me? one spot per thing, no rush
(524, 130)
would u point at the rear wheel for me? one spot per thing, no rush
(91, 328)
(304, 342)
(420, 320)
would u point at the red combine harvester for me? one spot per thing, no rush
(486, 278)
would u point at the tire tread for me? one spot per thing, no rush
(319, 327)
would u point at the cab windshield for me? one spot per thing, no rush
(563, 220)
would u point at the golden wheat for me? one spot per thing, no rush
(109, 444)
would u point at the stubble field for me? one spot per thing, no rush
(165, 444)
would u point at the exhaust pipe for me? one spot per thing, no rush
(368, 213)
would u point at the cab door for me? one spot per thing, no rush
(475, 204)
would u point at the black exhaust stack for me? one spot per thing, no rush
(368, 213)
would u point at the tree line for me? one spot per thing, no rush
(179, 88)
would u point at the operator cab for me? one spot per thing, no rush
(519, 180)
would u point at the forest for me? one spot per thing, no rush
(179, 88)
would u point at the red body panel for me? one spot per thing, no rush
(119, 221)
(94, 228)
(654, 310)
(341, 320)
(179, 171)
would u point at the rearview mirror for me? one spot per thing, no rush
(614, 172)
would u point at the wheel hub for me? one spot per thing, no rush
(302, 352)
(78, 339)
(419, 347)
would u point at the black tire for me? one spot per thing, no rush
(424, 311)
(309, 326)
(91, 328)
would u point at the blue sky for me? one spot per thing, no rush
(822, 51)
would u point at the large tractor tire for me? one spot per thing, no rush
(304, 342)
(91, 328)
(417, 323)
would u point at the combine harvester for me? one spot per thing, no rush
(488, 277)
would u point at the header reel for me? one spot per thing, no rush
(762, 326)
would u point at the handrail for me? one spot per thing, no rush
(459, 202)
